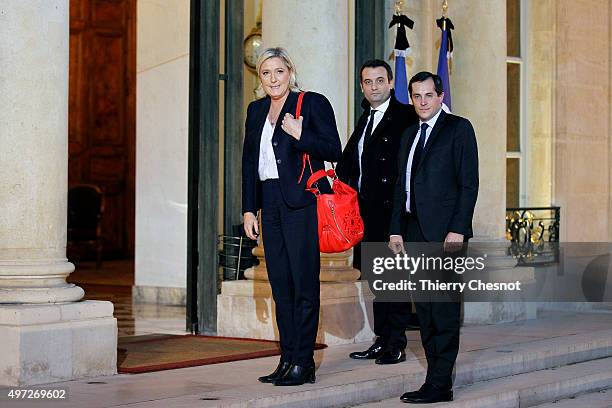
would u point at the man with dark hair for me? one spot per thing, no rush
(369, 164)
(434, 201)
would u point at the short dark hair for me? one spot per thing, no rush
(375, 63)
(424, 76)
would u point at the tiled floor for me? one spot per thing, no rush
(113, 282)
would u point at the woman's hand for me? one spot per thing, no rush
(292, 125)
(251, 227)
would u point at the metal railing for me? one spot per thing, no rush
(534, 234)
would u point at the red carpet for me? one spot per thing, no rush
(156, 352)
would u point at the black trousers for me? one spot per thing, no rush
(293, 262)
(439, 326)
(390, 318)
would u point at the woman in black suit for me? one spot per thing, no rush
(272, 162)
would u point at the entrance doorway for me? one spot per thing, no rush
(101, 135)
(101, 131)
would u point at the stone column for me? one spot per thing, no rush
(37, 321)
(316, 34)
(479, 93)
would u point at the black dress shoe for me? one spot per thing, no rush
(281, 369)
(411, 394)
(391, 356)
(428, 394)
(373, 352)
(297, 375)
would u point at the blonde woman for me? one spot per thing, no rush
(274, 143)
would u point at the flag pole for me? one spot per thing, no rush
(399, 4)
(444, 11)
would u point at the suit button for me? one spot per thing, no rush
(279, 161)
(274, 144)
(384, 180)
(385, 139)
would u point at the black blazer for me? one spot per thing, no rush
(446, 180)
(379, 159)
(319, 139)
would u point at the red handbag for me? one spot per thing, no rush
(339, 222)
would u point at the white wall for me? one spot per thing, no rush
(162, 98)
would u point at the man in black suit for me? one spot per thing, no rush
(369, 165)
(434, 201)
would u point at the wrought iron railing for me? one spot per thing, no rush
(534, 234)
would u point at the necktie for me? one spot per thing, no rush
(416, 158)
(369, 128)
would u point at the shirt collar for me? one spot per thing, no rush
(431, 122)
(383, 106)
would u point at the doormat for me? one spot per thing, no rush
(156, 352)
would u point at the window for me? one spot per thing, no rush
(515, 127)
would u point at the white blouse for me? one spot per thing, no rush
(267, 159)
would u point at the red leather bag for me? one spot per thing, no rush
(339, 221)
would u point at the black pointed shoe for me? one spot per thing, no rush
(428, 394)
(391, 356)
(297, 375)
(281, 369)
(373, 352)
(412, 394)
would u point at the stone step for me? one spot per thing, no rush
(366, 383)
(528, 390)
(599, 399)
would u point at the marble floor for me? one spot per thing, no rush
(113, 282)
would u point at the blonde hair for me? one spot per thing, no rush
(276, 52)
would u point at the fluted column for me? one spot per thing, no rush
(34, 140)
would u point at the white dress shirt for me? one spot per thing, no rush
(430, 125)
(267, 159)
(378, 115)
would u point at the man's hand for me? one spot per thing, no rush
(396, 244)
(292, 125)
(251, 227)
(453, 242)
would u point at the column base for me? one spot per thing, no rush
(68, 293)
(476, 313)
(37, 282)
(504, 309)
(245, 309)
(60, 342)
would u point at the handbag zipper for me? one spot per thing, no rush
(331, 207)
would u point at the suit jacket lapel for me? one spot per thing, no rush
(288, 107)
(359, 128)
(358, 133)
(411, 133)
(261, 121)
(432, 137)
(386, 119)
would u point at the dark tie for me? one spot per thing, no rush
(416, 158)
(368, 132)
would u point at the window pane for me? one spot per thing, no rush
(513, 27)
(513, 127)
(512, 182)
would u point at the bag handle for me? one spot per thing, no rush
(318, 175)
(305, 156)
